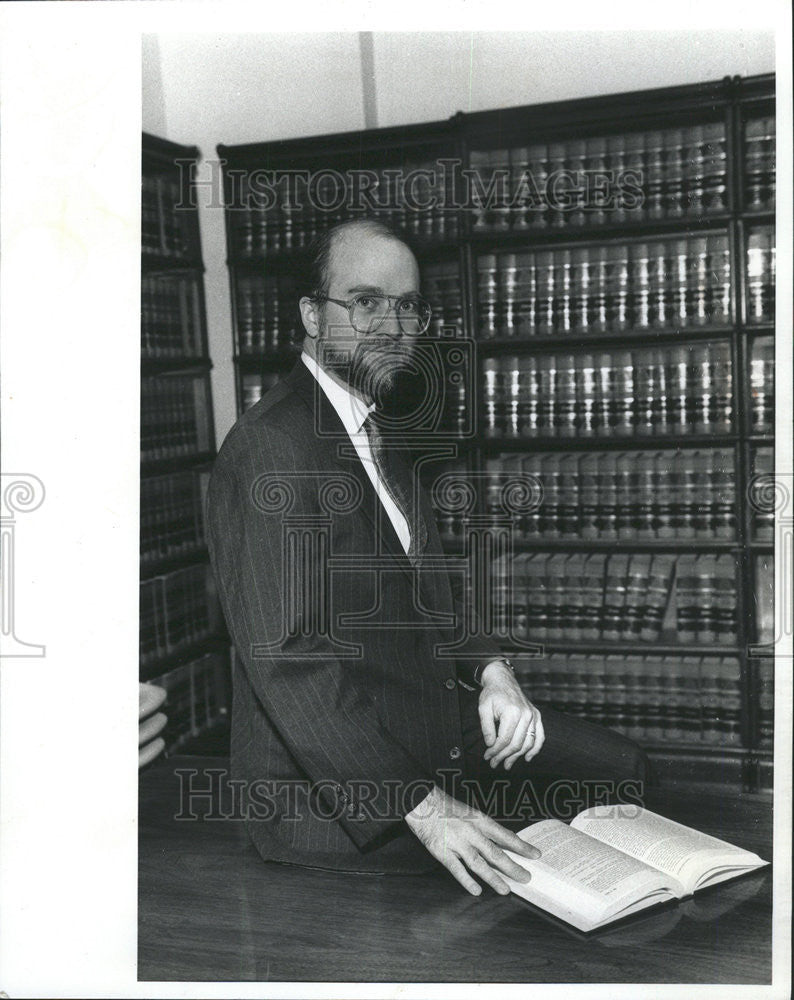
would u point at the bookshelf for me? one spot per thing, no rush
(606, 270)
(183, 644)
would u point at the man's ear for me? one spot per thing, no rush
(310, 314)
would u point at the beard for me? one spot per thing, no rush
(372, 369)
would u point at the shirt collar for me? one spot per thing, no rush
(352, 410)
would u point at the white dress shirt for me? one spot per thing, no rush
(353, 411)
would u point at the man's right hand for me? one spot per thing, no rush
(462, 838)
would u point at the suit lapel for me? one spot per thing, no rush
(337, 452)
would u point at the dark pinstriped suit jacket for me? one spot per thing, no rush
(360, 710)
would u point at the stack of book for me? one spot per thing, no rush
(441, 287)
(629, 495)
(177, 609)
(670, 390)
(170, 321)
(621, 597)
(164, 228)
(285, 211)
(197, 698)
(266, 313)
(759, 164)
(172, 515)
(175, 416)
(669, 173)
(667, 284)
(652, 699)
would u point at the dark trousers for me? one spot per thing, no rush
(580, 765)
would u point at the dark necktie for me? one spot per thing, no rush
(396, 477)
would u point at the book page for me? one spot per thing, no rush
(583, 876)
(675, 849)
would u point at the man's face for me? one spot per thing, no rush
(367, 263)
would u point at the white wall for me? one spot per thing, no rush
(208, 89)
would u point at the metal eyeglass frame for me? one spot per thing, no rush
(396, 299)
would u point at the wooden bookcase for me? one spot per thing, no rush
(676, 282)
(184, 646)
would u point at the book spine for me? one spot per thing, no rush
(636, 597)
(615, 597)
(766, 701)
(762, 386)
(658, 594)
(686, 596)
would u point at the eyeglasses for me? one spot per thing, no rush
(368, 311)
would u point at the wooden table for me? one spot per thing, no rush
(211, 910)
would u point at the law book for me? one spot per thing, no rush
(762, 385)
(766, 701)
(556, 596)
(537, 588)
(653, 186)
(759, 160)
(573, 612)
(719, 280)
(525, 313)
(673, 186)
(614, 861)
(762, 514)
(761, 276)
(487, 295)
(657, 597)
(715, 167)
(635, 608)
(592, 591)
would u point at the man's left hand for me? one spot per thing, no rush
(511, 725)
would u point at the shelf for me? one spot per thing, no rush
(708, 749)
(760, 216)
(213, 643)
(624, 545)
(154, 567)
(576, 340)
(538, 237)
(272, 359)
(156, 366)
(609, 443)
(161, 466)
(282, 259)
(151, 263)
(600, 646)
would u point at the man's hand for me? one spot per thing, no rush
(462, 838)
(511, 725)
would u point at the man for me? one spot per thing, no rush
(349, 721)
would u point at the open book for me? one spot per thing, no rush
(613, 861)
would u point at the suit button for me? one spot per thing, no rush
(450, 684)
(454, 753)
